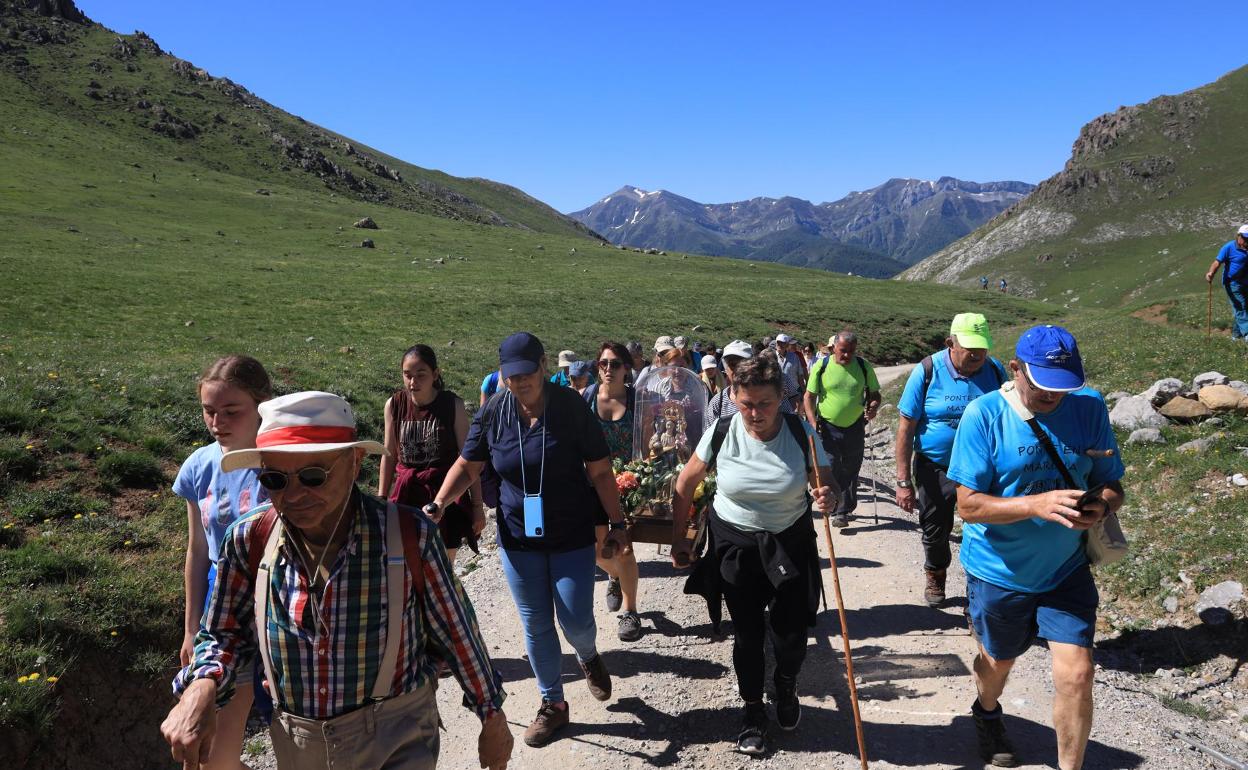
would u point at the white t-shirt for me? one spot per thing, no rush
(760, 485)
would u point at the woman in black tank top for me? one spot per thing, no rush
(424, 431)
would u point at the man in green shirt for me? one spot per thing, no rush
(841, 396)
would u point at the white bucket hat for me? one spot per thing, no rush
(305, 422)
(567, 357)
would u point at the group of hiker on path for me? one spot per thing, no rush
(342, 610)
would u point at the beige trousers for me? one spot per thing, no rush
(396, 734)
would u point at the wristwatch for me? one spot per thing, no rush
(617, 525)
(904, 484)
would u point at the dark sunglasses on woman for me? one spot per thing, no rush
(610, 363)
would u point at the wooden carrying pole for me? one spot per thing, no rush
(1209, 313)
(840, 610)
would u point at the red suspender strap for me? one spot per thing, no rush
(257, 538)
(411, 550)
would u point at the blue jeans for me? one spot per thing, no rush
(1236, 293)
(549, 585)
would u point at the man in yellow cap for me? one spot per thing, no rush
(938, 391)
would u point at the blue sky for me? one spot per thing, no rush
(715, 101)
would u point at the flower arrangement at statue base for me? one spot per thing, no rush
(647, 488)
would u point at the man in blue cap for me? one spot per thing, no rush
(1234, 255)
(1027, 573)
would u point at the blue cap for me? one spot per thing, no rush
(1050, 358)
(521, 353)
(579, 369)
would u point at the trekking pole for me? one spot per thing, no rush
(840, 610)
(875, 489)
(1209, 313)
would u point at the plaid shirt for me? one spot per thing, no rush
(324, 675)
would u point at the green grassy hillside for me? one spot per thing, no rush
(1148, 196)
(131, 259)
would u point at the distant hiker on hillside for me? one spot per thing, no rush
(842, 395)
(761, 553)
(355, 603)
(711, 376)
(230, 392)
(555, 467)
(1004, 286)
(1234, 255)
(722, 403)
(612, 401)
(425, 427)
(931, 406)
(983, 282)
(1023, 544)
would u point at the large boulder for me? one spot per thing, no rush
(1239, 385)
(1223, 398)
(1185, 410)
(1146, 436)
(1217, 604)
(1134, 412)
(1162, 391)
(1209, 378)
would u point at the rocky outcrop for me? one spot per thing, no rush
(53, 9)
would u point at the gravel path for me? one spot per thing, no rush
(675, 702)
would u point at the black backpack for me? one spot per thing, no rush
(793, 422)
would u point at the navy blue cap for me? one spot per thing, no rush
(521, 353)
(1050, 358)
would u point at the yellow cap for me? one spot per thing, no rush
(971, 330)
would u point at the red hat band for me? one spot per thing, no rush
(304, 434)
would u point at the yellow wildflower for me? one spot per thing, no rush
(23, 679)
(30, 446)
(53, 375)
(34, 676)
(112, 633)
(53, 679)
(128, 542)
(77, 515)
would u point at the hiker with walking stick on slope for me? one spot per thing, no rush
(761, 553)
(937, 392)
(1022, 458)
(1234, 255)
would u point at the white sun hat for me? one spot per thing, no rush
(306, 422)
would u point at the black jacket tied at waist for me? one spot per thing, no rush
(739, 557)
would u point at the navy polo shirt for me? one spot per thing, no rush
(1233, 258)
(572, 438)
(948, 395)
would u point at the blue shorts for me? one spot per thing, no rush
(1007, 622)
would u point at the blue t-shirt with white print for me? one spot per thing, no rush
(948, 395)
(996, 453)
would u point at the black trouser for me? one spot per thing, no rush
(936, 497)
(788, 630)
(844, 447)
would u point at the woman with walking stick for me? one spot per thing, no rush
(762, 552)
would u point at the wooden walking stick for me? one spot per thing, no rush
(1209, 314)
(840, 610)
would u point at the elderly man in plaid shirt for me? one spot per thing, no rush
(356, 604)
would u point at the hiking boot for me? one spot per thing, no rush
(752, 739)
(630, 627)
(841, 521)
(597, 678)
(994, 745)
(788, 709)
(615, 597)
(934, 592)
(551, 717)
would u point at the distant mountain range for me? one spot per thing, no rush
(875, 233)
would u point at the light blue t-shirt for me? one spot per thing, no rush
(947, 397)
(996, 453)
(223, 498)
(1233, 258)
(760, 485)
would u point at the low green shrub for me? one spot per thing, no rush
(34, 505)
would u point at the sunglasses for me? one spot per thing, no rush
(276, 481)
(610, 363)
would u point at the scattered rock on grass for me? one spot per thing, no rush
(1197, 446)
(1185, 410)
(1133, 412)
(367, 243)
(366, 223)
(1239, 480)
(1209, 378)
(1239, 385)
(1216, 603)
(1146, 436)
(1222, 398)
(1163, 390)
(1117, 395)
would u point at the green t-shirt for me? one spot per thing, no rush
(760, 486)
(839, 390)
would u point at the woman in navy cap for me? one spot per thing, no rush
(549, 451)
